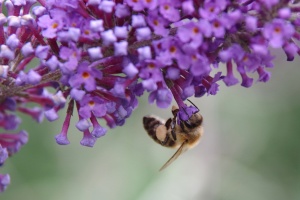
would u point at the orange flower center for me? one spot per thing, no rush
(166, 7)
(151, 65)
(55, 25)
(194, 57)
(277, 30)
(196, 30)
(245, 58)
(91, 103)
(85, 75)
(216, 24)
(87, 32)
(172, 49)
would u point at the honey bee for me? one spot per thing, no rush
(169, 134)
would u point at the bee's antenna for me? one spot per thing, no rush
(193, 104)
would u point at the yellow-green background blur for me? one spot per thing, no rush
(250, 151)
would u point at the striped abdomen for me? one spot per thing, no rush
(158, 131)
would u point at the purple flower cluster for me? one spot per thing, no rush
(100, 55)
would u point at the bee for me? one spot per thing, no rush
(182, 136)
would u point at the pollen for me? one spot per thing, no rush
(91, 103)
(159, 46)
(194, 57)
(277, 30)
(87, 32)
(196, 30)
(216, 24)
(245, 58)
(85, 75)
(151, 65)
(166, 7)
(54, 25)
(172, 49)
(155, 22)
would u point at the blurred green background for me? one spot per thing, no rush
(250, 150)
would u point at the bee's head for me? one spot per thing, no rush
(189, 116)
(194, 121)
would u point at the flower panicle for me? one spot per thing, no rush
(98, 57)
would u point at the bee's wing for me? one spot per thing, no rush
(179, 151)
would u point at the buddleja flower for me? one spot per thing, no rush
(100, 55)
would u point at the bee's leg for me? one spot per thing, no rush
(173, 129)
(165, 140)
(181, 125)
(175, 110)
(168, 123)
(173, 134)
